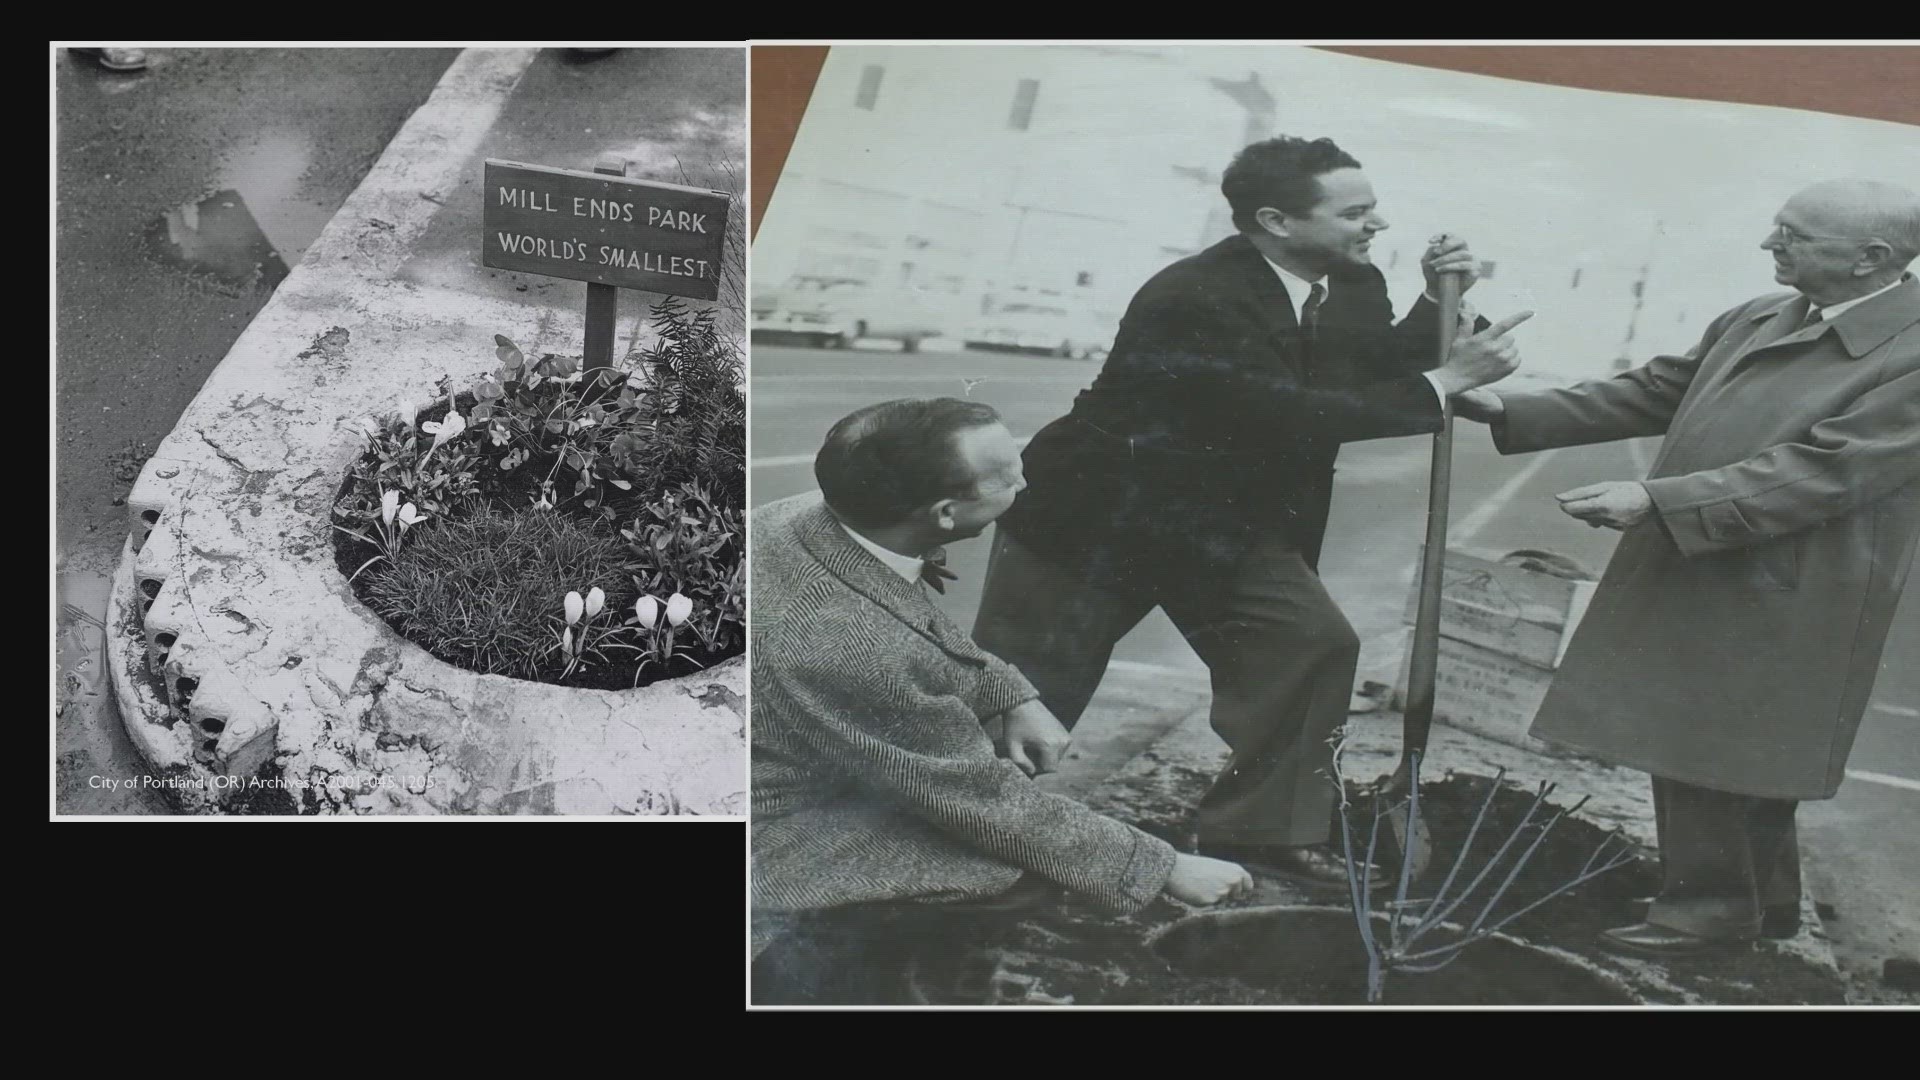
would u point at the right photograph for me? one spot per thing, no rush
(1299, 527)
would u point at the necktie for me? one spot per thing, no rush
(933, 570)
(1310, 311)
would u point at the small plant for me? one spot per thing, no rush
(640, 466)
(659, 634)
(581, 612)
(390, 528)
(1411, 921)
(484, 592)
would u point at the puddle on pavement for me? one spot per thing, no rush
(254, 228)
(97, 764)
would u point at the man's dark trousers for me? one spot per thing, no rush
(1282, 658)
(1731, 861)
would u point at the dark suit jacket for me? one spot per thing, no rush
(1214, 421)
(872, 778)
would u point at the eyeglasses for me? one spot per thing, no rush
(1787, 234)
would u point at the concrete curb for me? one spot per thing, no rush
(243, 665)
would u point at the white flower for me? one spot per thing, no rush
(442, 430)
(406, 414)
(648, 611)
(596, 600)
(409, 517)
(566, 641)
(678, 608)
(574, 606)
(389, 505)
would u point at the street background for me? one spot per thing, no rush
(1626, 223)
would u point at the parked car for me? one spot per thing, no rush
(836, 312)
(1042, 327)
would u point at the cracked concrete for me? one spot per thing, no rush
(239, 654)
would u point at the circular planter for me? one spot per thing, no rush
(352, 554)
(252, 680)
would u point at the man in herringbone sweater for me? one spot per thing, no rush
(874, 778)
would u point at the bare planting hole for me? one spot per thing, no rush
(213, 726)
(150, 587)
(165, 640)
(1314, 957)
(208, 746)
(151, 517)
(184, 687)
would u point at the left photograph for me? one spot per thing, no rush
(399, 447)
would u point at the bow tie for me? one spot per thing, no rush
(934, 572)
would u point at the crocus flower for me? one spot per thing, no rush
(574, 607)
(389, 505)
(566, 641)
(406, 414)
(678, 608)
(596, 600)
(647, 609)
(409, 517)
(442, 430)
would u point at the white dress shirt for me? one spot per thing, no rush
(1299, 289)
(1833, 311)
(907, 566)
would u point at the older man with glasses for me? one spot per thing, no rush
(1732, 646)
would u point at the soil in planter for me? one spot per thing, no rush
(1448, 806)
(1163, 955)
(1759, 975)
(1273, 956)
(1314, 957)
(514, 491)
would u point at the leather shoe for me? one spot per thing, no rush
(1315, 866)
(1646, 939)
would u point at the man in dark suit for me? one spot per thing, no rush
(1196, 474)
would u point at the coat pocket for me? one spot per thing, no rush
(1774, 565)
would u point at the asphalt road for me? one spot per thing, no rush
(1863, 855)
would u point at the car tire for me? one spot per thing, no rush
(910, 345)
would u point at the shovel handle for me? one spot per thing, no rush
(1423, 665)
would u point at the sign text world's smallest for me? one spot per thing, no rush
(632, 234)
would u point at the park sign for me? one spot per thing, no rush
(604, 229)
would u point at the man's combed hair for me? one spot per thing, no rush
(1282, 173)
(885, 461)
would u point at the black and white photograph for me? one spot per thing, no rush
(1251, 525)
(399, 430)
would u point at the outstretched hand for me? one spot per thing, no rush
(1479, 405)
(1615, 504)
